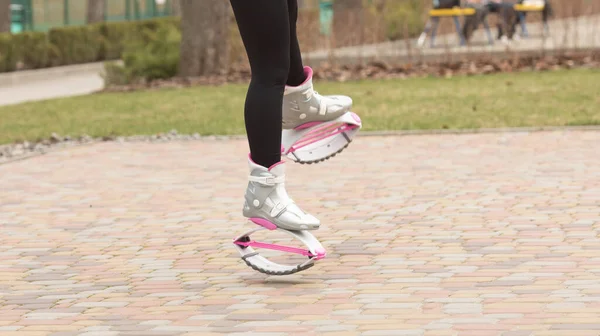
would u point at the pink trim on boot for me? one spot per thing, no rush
(264, 223)
(308, 72)
(308, 124)
(275, 165)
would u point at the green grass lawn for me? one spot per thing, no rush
(503, 100)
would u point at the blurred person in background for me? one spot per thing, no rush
(504, 9)
(547, 12)
(472, 22)
(507, 18)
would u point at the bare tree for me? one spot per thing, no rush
(204, 41)
(95, 10)
(5, 16)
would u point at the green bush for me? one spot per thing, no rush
(155, 24)
(117, 35)
(79, 44)
(155, 55)
(26, 50)
(114, 34)
(149, 48)
(401, 18)
(82, 44)
(8, 59)
(33, 49)
(115, 74)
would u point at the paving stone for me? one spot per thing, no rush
(579, 326)
(10, 328)
(450, 234)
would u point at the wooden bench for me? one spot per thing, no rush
(455, 13)
(522, 9)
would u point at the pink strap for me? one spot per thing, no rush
(277, 248)
(320, 134)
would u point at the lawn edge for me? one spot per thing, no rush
(481, 130)
(465, 131)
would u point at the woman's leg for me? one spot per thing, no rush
(301, 104)
(296, 75)
(265, 30)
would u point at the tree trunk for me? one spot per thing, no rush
(204, 37)
(95, 11)
(348, 22)
(176, 7)
(5, 16)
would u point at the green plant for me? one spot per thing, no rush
(117, 35)
(115, 74)
(401, 18)
(8, 59)
(79, 44)
(33, 49)
(155, 55)
(114, 36)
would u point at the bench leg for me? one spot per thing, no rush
(460, 34)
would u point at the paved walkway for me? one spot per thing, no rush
(67, 86)
(40, 84)
(483, 234)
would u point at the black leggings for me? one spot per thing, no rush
(268, 30)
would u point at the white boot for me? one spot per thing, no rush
(302, 104)
(268, 204)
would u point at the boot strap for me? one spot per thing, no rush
(270, 181)
(279, 208)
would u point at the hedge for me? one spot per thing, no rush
(8, 59)
(74, 45)
(105, 41)
(108, 41)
